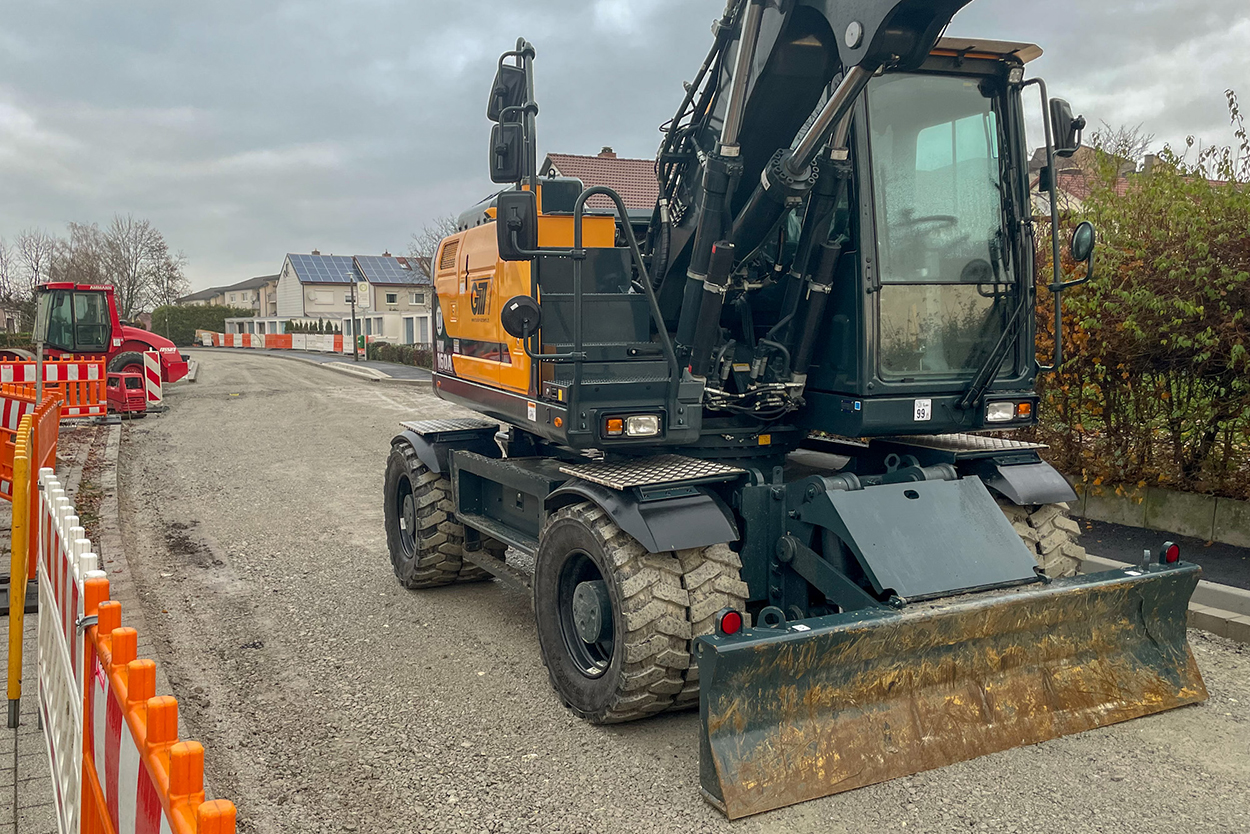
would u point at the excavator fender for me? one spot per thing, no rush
(432, 448)
(1024, 484)
(695, 518)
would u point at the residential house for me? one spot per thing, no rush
(633, 179)
(247, 294)
(392, 299)
(203, 298)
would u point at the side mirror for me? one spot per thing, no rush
(510, 89)
(1066, 128)
(1083, 240)
(516, 225)
(1082, 249)
(507, 152)
(521, 317)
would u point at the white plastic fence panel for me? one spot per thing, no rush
(65, 561)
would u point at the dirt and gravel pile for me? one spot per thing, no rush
(330, 699)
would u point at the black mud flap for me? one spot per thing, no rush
(835, 703)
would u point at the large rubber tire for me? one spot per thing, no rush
(1049, 534)
(712, 577)
(129, 362)
(425, 541)
(638, 668)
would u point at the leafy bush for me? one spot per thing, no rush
(420, 356)
(1155, 386)
(178, 324)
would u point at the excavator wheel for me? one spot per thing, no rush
(130, 362)
(712, 577)
(424, 539)
(1049, 534)
(612, 618)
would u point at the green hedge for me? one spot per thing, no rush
(20, 341)
(178, 324)
(416, 355)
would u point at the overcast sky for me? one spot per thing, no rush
(246, 129)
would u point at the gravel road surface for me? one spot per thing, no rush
(330, 699)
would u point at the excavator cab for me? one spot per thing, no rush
(746, 459)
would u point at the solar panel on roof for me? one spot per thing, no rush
(379, 269)
(324, 269)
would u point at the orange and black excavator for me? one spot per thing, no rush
(757, 460)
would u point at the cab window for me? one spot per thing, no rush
(91, 322)
(60, 320)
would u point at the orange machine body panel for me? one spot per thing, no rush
(471, 285)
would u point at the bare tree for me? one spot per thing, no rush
(35, 251)
(424, 244)
(135, 253)
(8, 270)
(169, 279)
(80, 257)
(1126, 142)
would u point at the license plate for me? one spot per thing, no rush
(924, 410)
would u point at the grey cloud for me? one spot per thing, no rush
(247, 129)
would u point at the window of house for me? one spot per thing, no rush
(410, 333)
(423, 331)
(231, 298)
(377, 326)
(392, 298)
(416, 298)
(368, 327)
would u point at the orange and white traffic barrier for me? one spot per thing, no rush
(152, 378)
(117, 761)
(81, 384)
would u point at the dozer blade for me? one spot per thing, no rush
(835, 703)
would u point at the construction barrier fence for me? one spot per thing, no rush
(118, 764)
(316, 342)
(80, 383)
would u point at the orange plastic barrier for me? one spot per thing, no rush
(15, 403)
(79, 383)
(150, 777)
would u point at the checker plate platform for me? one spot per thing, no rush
(424, 427)
(662, 469)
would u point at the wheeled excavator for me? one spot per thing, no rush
(756, 460)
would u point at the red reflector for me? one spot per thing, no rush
(1172, 554)
(730, 622)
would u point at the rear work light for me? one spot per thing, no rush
(635, 425)
(1000, 412)
(642, 425)
(1006, 412)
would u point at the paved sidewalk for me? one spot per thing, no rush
(25, 778)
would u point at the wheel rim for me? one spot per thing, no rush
(585, 611)
(138, 369)
(406, 511)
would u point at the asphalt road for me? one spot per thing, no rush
(330, 699)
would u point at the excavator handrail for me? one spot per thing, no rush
(578, 254)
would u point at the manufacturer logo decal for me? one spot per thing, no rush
(479, 298)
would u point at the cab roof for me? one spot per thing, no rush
(976, 47)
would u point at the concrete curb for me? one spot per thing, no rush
(113, 555)
(1205, 517)
(1219, 609)
(193, 370)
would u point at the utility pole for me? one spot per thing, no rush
(352, 300)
